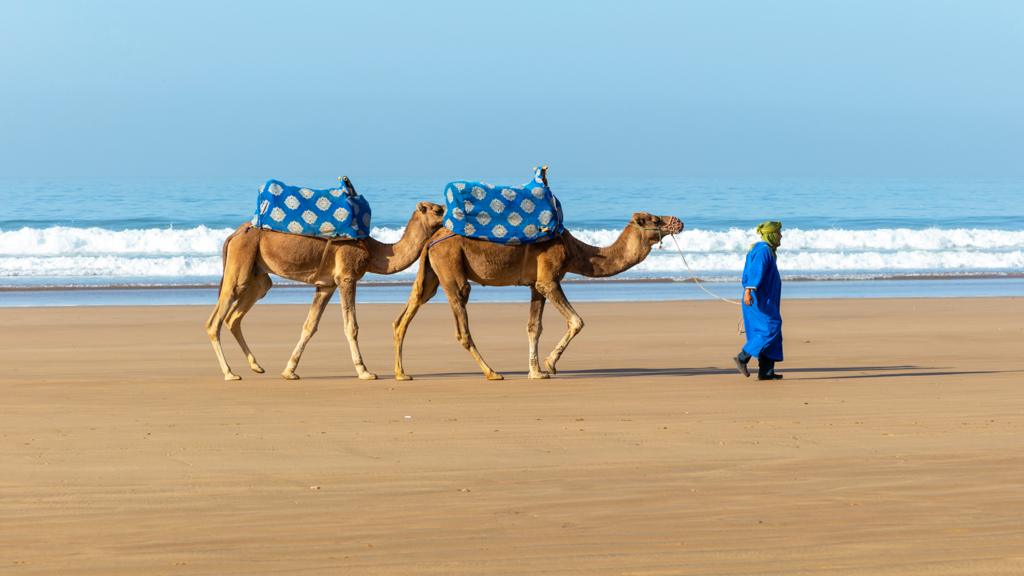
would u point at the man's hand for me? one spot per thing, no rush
(747, 298)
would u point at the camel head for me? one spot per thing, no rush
(655, 228)
(430, 215)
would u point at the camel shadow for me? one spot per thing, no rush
(832, 372)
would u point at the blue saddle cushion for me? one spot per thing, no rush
(503, 214)
(331, 213)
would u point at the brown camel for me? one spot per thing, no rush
(252, 254)
(453, 261)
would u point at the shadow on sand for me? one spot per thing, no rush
(830, 373)
(912, 374)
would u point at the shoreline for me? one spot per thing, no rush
(283, 283)
(577, 292)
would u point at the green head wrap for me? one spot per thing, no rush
(770, 232)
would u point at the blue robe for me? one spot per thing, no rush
(763, 319)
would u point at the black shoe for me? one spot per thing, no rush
(741, 366)
(770, 377)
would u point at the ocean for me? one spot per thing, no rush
(129, 241)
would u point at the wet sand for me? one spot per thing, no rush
(893, 446)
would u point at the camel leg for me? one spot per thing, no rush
(423, 290)
(256, 289)
(554, 293)
(348, 311)
(533, 331)
(458, 296)
(225, 301)
(320, 301)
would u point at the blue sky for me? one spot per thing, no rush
(798, 88)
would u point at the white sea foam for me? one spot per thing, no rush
(882, 239)
(112, 266)
(68, 241)
(195, 252)
(870, 261)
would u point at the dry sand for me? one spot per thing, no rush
(893, 446)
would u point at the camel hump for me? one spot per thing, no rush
(339, 213)
(510, 215)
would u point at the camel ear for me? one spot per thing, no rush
(640, 219)
(422, 207)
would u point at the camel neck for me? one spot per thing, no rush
(628, 250)
(392, 258)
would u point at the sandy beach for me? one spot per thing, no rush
(893, 446)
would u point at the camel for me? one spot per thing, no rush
(453, 261)
(251, 254)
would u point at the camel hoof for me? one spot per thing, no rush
(231, 376)
(257, 368)
(550, 366)
(539, 375)
(494, 376)
(289, 375)
(367, 376)
(403, 376)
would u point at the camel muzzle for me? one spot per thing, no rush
(673, 225)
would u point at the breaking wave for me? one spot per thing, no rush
(168, 256)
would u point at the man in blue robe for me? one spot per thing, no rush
(762, 294)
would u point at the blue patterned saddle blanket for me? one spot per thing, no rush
(332, 213)
(504, 214)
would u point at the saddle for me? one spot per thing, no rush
(509, 215)
(335, 213)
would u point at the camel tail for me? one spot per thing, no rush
(224, 254)
(423, 270)
(421, 287)
(224, 265)
(224, 260)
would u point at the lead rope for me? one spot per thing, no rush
(693, 276)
